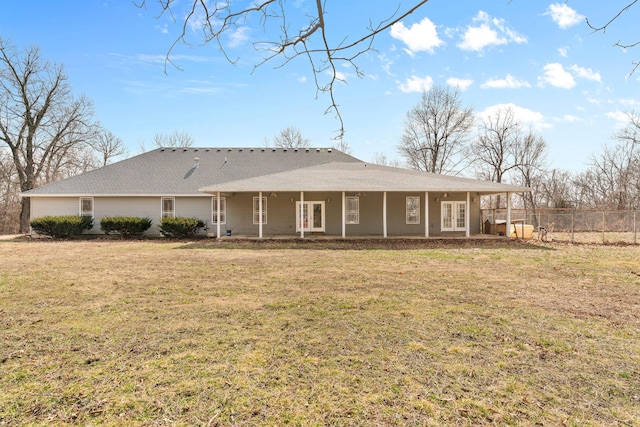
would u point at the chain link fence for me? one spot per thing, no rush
(571, 225)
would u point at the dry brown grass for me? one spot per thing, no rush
(318, 333)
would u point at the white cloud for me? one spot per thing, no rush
(161, 59)
(508, 82)
(416, 84)
(522, 115)
(556, 75)
(421, 37)
(563, 51)
(239, 36)
(620, 117)
(462, 84)
(164, 29)
(477, 38)
(386, 65)
(302, 79)
(488, 32)
(586, 73)
(563, 15)
(340, 76)
(630, 102)
(571, 118)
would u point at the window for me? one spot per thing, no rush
(86, 206)
(352, 210)
(168, 207)
(413, 210)
(223, 210)
(256, 210)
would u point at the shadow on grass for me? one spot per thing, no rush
(364, 244)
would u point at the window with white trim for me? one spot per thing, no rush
(168, 207)
(86, 206)
(413, 210)
(352, 210)
(256, 210)
(223, 210)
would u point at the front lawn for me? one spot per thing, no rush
(207, 333)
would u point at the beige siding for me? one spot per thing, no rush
(43, 206)
(281, 212)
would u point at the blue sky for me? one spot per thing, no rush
(572, 86)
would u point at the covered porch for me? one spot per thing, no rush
(344, 200)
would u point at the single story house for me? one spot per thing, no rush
(273, 192)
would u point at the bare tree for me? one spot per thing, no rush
(9, 194)
(530, 160)
(435, 131)
(289, 35)
(494, 151)
(177, 139)
(343, 146)
(290, 137)
(557, 189)
(40, 121)
(108, 147)
(502, 151)
(382, 159)
(613, 177)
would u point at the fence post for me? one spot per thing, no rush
(603, 225)
(635, 235)
(573, 212)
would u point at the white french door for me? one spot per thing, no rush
(454, 216)
(310, 217)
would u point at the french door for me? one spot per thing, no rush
(454, 216)
(310, 216)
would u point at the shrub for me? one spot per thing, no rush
(125, 225)
(61, 226)
(180, 226)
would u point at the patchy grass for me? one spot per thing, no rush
(286, 333)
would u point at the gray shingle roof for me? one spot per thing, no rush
(171, 171)
(360, 176)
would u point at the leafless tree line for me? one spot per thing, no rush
(442, 136)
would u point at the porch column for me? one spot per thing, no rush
(384, 214)
(467, 213)
(344, 216)
(260, 214)
(508, 232)
(426, 214)
(218, 215)
(302, 214)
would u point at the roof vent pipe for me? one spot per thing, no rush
(196, 162)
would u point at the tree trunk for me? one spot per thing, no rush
(25, 214)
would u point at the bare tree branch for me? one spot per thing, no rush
(603, 29)
(309, 40)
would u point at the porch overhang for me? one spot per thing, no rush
(353, 177)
